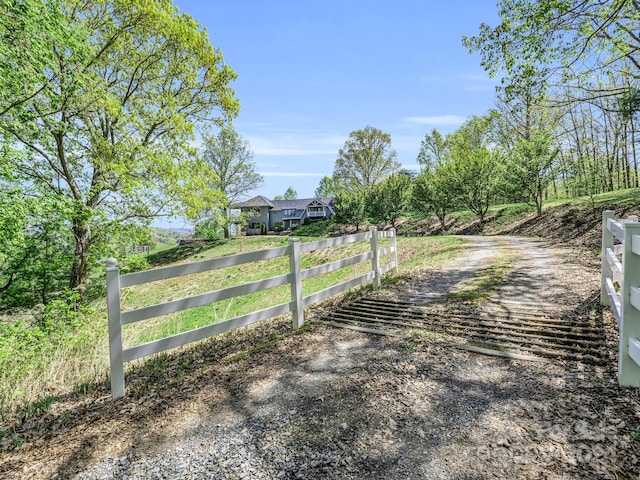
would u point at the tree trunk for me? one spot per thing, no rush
(79, 270)
(633, 151)
(538, 195)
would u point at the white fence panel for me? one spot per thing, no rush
(165, 273)
(194, 301)
(334, 242)
(117, 318)
(335, 289)
(616, 229)
(338, 264)
(157, 346)
(634, 349)
(624, 300)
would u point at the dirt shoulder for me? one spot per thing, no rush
(334, 403)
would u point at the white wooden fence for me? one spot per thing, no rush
(621, 290)
(117, 318)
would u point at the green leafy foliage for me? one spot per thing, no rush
(327, 188)
(530, 168)
(31, 346)
(349, 207)
(135, 263)
(104, 105)
(433, 151)
(474, 165)
(34, 260)
(562, 42)
(630, 102)
(435, 193)
(388, 200)
(233, 174)
(290, 194)
(211, 229)
(365, 159)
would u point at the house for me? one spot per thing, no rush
(283, 214)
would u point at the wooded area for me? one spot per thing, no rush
(100, 103)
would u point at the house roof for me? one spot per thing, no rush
(258, 201)
(298, 204)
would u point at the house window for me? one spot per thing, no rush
(288, 212)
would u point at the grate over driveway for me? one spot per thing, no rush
(499, 327)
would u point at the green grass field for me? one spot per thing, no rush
(71, 358)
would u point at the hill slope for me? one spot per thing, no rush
(577, 221)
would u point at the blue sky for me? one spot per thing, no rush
(310, 72)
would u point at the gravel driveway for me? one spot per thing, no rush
(332, 403)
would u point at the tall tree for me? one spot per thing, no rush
(560, 42)
(365, 159)
(474, 165)
(230, 158)
(327, 188)
(433, 151)
(387, 201)
(476, 180)
(435, 192)
(107, 109)
(531, 167)
(290, 194)
(350, 208)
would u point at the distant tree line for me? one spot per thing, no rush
(523, 151)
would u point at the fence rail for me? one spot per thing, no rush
(620, 289)
(118, 318)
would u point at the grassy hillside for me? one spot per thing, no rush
(577, 220)
(44, 355)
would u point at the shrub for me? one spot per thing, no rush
(321, 228)
(135, 263)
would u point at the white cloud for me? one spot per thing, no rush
(296, 143)
(437, 120)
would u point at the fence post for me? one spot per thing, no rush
(607, 242)
(297, 314)
(628, 369)
(375, 261)
(115, 329)
(394, 245)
